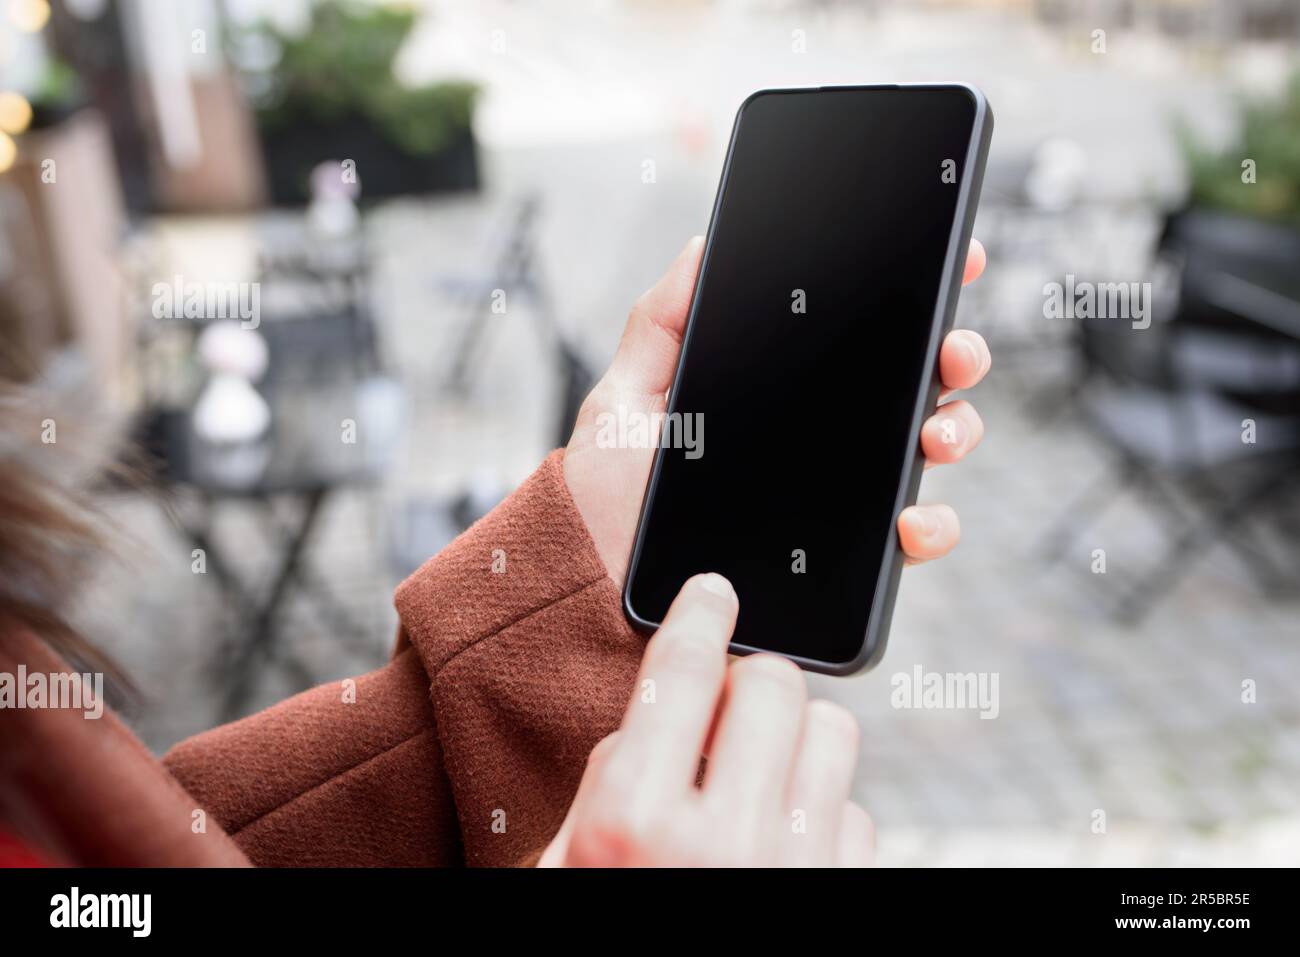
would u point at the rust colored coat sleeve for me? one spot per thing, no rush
(514, 659)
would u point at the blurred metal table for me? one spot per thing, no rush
(331, 428)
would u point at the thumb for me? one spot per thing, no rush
(647, 354)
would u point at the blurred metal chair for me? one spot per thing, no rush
(1202, 410)
(511, 266)
(511, 263)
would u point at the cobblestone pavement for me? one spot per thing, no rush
(1144, 724)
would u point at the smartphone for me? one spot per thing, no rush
(829, 277)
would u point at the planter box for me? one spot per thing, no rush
(292, 152)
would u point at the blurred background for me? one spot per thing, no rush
(310, 286)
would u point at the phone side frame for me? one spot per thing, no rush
(950, 283)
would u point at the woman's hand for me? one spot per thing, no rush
(776, 788)
(608, 483)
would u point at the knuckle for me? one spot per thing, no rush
(598, 844)
(683, 651)
(601, 396)
(866, 822)
(616, 786)
(602, 749)
(617, 829)
(598, 400)
(778, 676)
(640, 310)
(836, 722)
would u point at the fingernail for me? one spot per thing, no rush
(973, 352)
(922, 522)
(952, 431)
(715, 583)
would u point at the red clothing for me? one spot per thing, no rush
(14, 853)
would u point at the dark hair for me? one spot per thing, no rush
(48, 532)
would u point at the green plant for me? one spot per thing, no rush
(342, 68)
(1270, 139)
(59, 85)
(58, 94)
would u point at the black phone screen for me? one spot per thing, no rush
(804, 361)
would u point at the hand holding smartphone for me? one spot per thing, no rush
(829, 277)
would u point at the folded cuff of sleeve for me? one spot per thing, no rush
(530, 659)
(530, 552)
